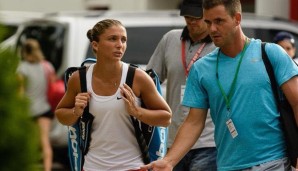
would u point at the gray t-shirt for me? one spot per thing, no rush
(36, 86)
(167, 62)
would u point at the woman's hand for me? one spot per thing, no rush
(81, 101)
(130, 101)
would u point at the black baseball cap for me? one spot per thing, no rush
(191, 8)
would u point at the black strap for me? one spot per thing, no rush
(86, 120)
(138, 133)
(130, 75)
(270, 72)
(83, 82)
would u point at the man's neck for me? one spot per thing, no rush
(234, 47)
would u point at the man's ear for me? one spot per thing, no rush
(238, 18)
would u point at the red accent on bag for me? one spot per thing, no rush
(55, 93)
(56, 88)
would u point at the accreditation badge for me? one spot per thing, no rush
(232, 128)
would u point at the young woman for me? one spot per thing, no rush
(34, 77)
(113, 144)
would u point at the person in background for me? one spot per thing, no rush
(172, 59)
(232, 81)
(286, 40)
(34, 80)
(113, 143)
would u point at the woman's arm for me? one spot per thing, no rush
(72, 105)
(188, 133)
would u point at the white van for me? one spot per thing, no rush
(64, 42)
(12, 19)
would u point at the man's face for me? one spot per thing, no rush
(221, 25)
(195, 25)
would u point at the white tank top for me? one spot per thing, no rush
(113, 144)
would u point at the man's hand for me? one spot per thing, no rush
(158, 165)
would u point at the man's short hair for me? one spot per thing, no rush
(232, 6)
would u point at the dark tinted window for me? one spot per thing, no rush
(141, 43)
(51, 39)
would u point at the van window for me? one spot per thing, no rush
(51, 39)
(141, 43)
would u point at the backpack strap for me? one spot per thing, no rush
(138, 132)
(87, 118)
(83, 83)
(270, 72)
(130, 75)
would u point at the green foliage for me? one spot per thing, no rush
(19, 141)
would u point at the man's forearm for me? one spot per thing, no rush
(186, 137)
